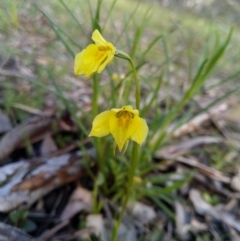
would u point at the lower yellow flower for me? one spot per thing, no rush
(124, 124)
(95, 57)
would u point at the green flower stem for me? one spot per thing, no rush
(131, 175)
(97, 142)
(95, 95)
(94, 196)
(134, 161)
(137, 86)
(95, 113)
(123, 55)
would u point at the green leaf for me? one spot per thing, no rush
(17, 216)
(100, 179)
(203, 72)
(163, 207)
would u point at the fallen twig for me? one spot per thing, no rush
(17, 135)
(208, 171)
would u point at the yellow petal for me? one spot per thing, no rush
(141, 131)
(98, 38)
(127, 108)
(121, 129)
(84, 61)
(88, 61)
(100, 125)
(117, 132)
(105, 62)
(77, 63)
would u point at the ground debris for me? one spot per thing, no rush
(30, 181)
(5, 123)
(8, 232)
(143, 213)
(17, 135)
(182, 225)
(218, 214)
(81, 199)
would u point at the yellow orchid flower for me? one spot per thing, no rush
(95, 57)
(124, 124)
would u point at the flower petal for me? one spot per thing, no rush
(121, 129)
(88, 61)
(141, 131)
(126, 108)
(98, 38)
(77, 63)
(84, 61)
(100, 126)
(105, 62)
(117, 132)
(95, 57)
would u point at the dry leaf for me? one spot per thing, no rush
(8, 170)
(96, 224)
(235, 183)
(204, 208)
(81, 199)
(185, 146)
(197, 226)
(17, 135)
(49, 233)
(208, 171)
(8, 233)
(32, 180)
(5, 123)
(182, 225)
(48, 146)
(144, 213)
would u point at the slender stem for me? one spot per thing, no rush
(95, 195)
(95, 96)
(134, 160)
(123, 55)
(129, 189)
(137, 85)
(97, 142)
(95, 113)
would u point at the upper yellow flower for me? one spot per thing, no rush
(95, 57)
(124, 124)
